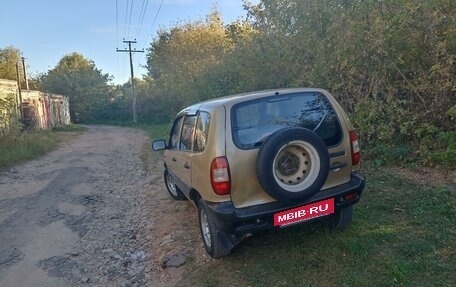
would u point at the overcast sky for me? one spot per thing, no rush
(46, 30)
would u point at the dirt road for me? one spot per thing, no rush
(94, 213)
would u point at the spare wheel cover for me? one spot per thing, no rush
(293, 164)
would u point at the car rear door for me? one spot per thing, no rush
(252, 122)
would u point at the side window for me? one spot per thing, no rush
(175, 132)
(187, 133)
(201, 132)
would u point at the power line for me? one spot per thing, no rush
(153, 23)
(127, 28)
(117, 23)
(156, 16)
(142, 16)
(126, 17)
(131, 13)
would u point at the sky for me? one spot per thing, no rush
(46, 30)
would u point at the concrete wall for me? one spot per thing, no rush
(40, 110)
(44, 111)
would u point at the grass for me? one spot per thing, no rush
(402, 235)
(33, 144)
(156, 131)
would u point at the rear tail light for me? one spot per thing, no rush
(356, 154)
(350, 196)
(220, 176)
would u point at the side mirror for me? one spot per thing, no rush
(158, 145)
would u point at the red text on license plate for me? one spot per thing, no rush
(306, 212)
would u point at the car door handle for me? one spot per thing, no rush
(174, 159)
(186, 165)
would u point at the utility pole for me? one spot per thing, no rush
(130, 51)
(20, 92)
(25, 74)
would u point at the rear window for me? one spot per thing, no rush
(253, 121)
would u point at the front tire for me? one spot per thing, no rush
(172, 188)
(210, 229)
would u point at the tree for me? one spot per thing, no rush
(9, 57)
(179, 59)
(390, 63)
(79, 79)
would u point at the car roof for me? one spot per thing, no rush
(227, 101)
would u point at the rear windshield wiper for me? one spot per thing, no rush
(321, 121)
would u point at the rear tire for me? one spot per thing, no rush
(172, 188)
(210, 232)
(342, 218)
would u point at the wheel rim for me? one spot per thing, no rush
(205, 228)
(171, 185)
(296, 166)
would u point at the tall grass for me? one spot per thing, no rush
(32, 144)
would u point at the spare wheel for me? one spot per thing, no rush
(293, 164)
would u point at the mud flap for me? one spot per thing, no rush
(228, 241)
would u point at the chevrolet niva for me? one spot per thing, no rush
(261, 160)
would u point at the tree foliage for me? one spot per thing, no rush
(391, 64)
(9, 57)
(86, 86)
(180, 60)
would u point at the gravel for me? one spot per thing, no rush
(95, 213)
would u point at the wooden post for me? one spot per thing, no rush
(20, 92)
(25, 74)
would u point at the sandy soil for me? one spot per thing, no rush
(94, 213)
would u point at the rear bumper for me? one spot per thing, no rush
(240, 221)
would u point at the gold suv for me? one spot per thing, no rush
(261, 160)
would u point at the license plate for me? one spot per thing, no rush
(303, 213)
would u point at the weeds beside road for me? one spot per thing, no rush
(30, 145)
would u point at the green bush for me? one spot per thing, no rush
(447, 155)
